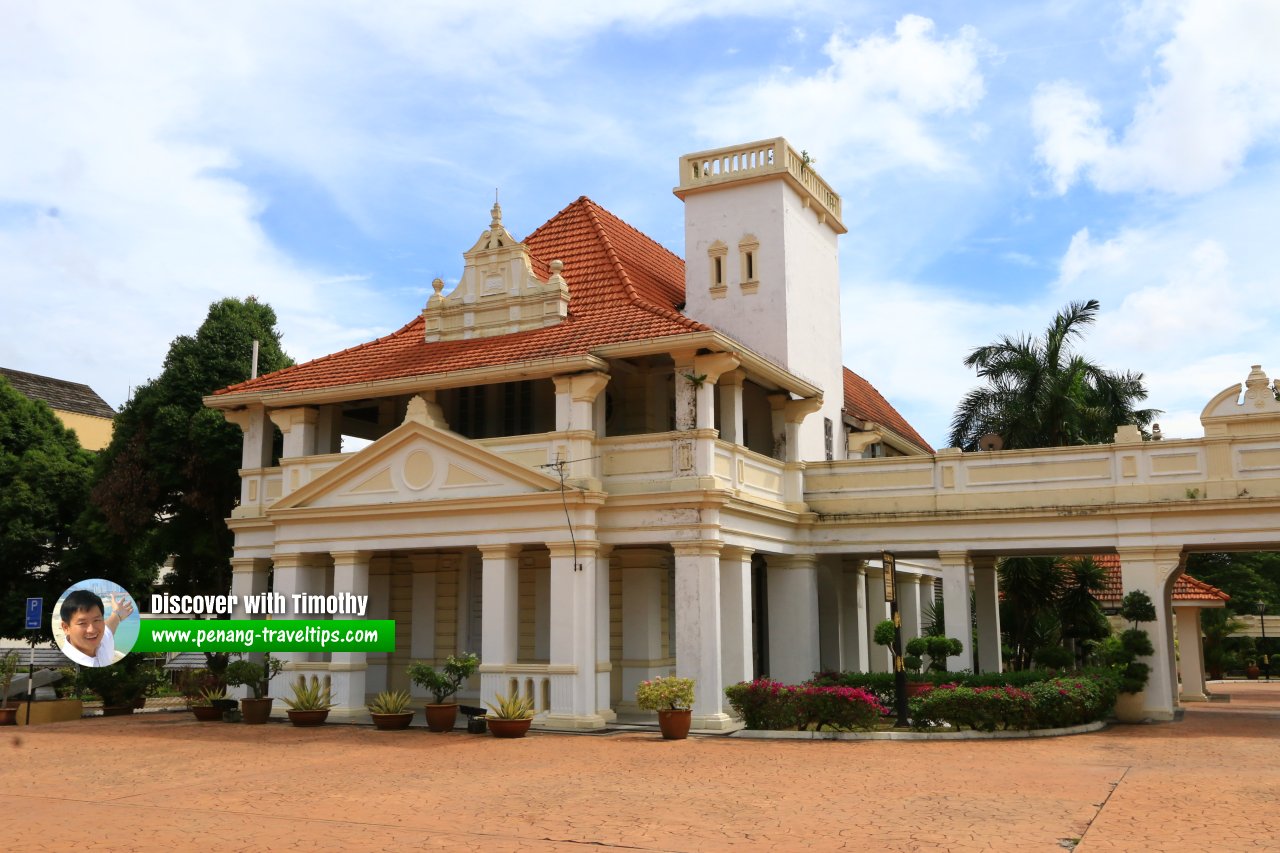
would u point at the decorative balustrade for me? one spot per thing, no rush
(758, 159)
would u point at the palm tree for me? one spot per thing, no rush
(1041, 393)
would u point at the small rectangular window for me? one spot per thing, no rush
(719, 271)
(751, 267)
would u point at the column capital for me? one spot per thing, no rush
(714, 365)
(584, 548)
(500, 551)
(857, 565)
(792, 561)
(350, 558)
(581, 387)
(249, 564)
(290, 561)
(982, 561)
(736, 552)
(243, 417)
(1143, 553)
(732, 378)
(796, 411)
(697, 548)
(287, 419)
(953, 559)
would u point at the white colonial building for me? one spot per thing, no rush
(592, 462)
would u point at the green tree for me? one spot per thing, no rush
(1248, 578)
(1040, 393)
(44, 486)
(1048, 600)
(169, 478)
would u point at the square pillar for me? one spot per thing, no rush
(347, 670)
(730, 386)
(293, 574)
(853, 616)
(1190, 654)
(909, 606)
(986, 596)
(955, 604)
(735, 616)
(829, 628)
(793, 617)
(604, 660)
(642, 571)
(1153, 570)
(698, 629)
(499, 621)
(880, 658)
(574, 601)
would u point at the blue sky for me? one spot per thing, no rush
(996, 160)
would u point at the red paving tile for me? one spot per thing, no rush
(162, 781)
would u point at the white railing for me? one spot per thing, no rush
(1137, 472)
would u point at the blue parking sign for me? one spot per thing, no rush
(35, 613)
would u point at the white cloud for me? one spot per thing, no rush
(876, 104)
(1217, 99)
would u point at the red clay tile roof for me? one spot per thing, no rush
(1185, 588)
(623, 286)
(864, 402)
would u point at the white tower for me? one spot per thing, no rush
(760, 234)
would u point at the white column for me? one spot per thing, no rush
(604, 660)
(422, 633)
(298, 427)
(955, 603)
(573, 636)
(986, 596)
(642, 571)
(909, 606)
(730, 386)
(1190, 654)
(576, 416)
(735, 614)
(698, 629)
(829, 628)
(1152, 571)
(248, 577)
(292, 574)
(685, 390)
(347, 670)
(793, 617)
(853, 613)
(879, 657)
(499, 621)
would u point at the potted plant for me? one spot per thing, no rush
(443, 684)
(8, 666)
(204, 707)
(1252, 670)
(310, 703)
(511, 716)
(390, 710)
(672, 698)
(257, 677)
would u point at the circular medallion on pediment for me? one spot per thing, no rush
(418, 470)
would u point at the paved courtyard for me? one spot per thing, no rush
(163, 781)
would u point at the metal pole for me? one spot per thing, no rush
(1266, 658)
(31, 676)
(890, 565)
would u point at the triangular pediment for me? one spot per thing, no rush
(418, 462)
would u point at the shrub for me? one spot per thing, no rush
(878, 684)
(838, 708)
(665, 693)
(764, 704)
(442, 684)
(981, 708)
(1054, 657)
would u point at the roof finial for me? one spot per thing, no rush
(496, 212)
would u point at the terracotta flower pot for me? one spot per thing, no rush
(255, 711)
(207, 713)
(509, 728)
(9, 716)
(440, 718)
(392, 722)
(304, 719)
(675, 724)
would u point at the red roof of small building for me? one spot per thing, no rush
(1185, 588)
(864, 402)
(623, 286)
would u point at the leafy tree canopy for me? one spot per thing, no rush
(44, 486)
(169, 478)
(1247, 578)
(1039, 392)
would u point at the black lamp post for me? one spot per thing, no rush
(899, 671)
(1266, 658)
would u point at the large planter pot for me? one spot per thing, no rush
(255, 711)
(117, 710)
(392, 722)
(1252, 672)
(303, 719)
(509, 728)
(1129, 708)
(675, 724)
(207, 713)
(9, 716)
(440, 718)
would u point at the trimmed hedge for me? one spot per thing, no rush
(766, 704)
(1049, 704)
